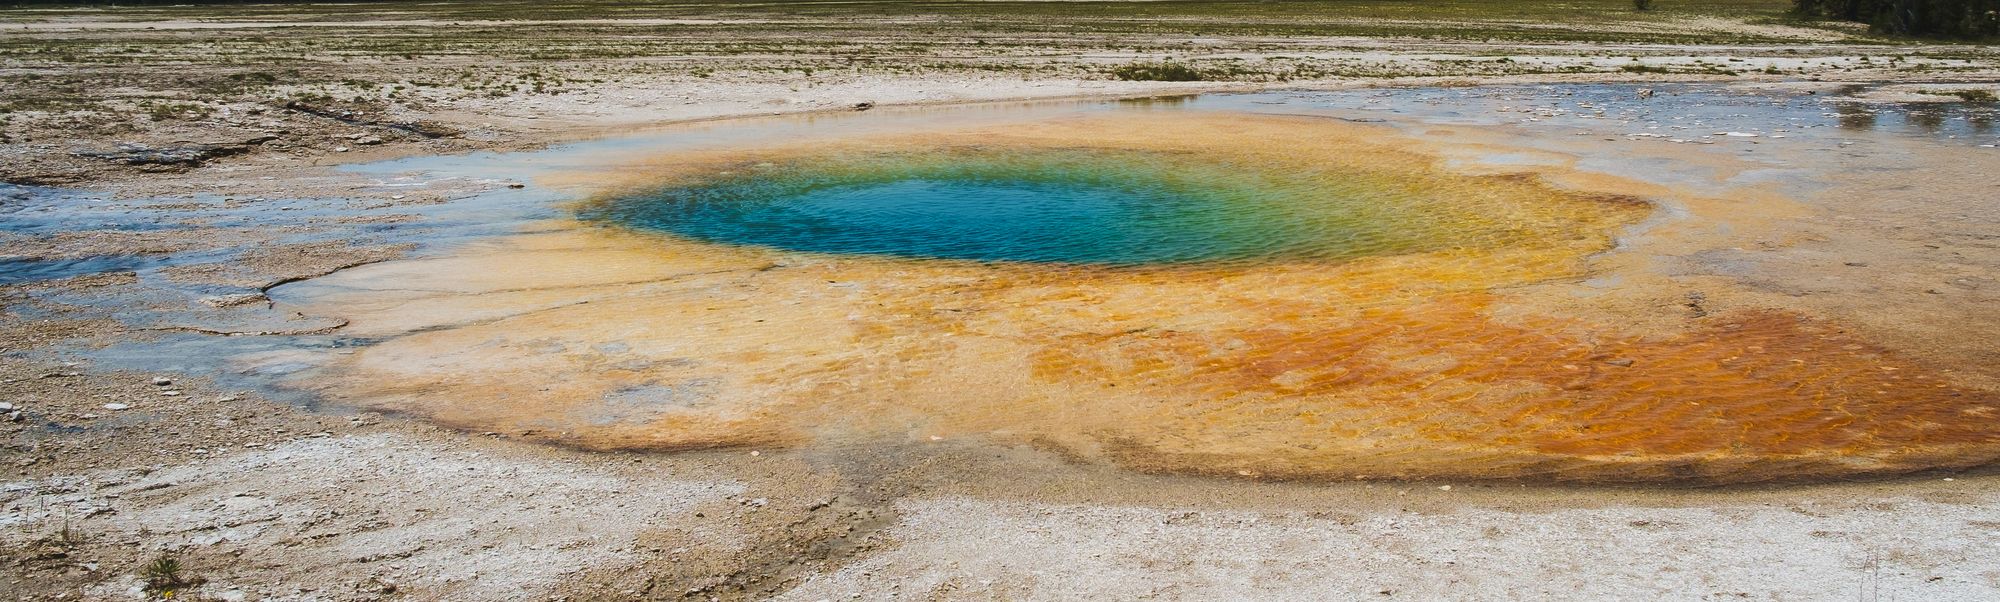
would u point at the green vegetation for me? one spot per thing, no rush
(1968, 95)
(163, 576)
(631, 9)
(93, 70)
(1168, 71)
(1957, 19)
(1523, 20)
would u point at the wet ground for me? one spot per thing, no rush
(1488, 311)
(1783, 283)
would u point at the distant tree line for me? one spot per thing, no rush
(1963, 19)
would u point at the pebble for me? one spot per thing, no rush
(115, 406)
(159, 381)
(6, 407)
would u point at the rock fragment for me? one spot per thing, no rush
(235, 300)
(185, 155)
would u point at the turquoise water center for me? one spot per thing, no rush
(1070, 206)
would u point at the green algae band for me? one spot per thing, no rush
(1111, 208)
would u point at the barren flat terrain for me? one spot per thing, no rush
(1472, 301)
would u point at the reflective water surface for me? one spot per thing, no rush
(1237, 294)
(1062, 205)
(1411, 283)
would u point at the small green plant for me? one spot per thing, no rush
(1642, 4)
(1644, 69)
(1167, 71)
(163, 576)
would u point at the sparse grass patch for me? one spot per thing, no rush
(1644, 69)
(169, 111)
(1164, 71)
(1968, 95)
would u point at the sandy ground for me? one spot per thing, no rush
(266, 498)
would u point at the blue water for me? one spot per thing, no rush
(977, 220)
(13, 271)
(1056, 207)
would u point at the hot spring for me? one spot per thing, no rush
(1052, 206)
(1208, 293)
